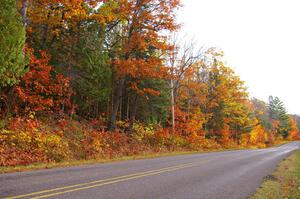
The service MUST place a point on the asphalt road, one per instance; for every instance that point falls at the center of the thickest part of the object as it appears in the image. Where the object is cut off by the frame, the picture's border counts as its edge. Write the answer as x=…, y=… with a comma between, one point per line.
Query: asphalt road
x=230, y=174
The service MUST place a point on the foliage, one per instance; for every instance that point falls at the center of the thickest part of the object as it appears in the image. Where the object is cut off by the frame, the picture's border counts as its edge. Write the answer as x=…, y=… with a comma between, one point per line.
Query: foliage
x=155, y=106
x=199, y=142
x=279, y=116
x=27, y=140
x=261, y=113
x=142, y=133
x=42, y=90
x=93, y=73
x=12, y=40
x=134, y=90
x=258, y=136
x=294, y=132
x=29, y=145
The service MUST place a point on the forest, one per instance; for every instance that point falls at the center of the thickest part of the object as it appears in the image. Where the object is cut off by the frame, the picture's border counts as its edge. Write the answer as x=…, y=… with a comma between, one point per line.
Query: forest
x=102, y=79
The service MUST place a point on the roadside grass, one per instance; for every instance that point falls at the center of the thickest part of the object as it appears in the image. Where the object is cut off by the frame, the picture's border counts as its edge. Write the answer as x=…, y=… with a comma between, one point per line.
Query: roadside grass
x=146, y=155
x=70, y=163
x=284, y=183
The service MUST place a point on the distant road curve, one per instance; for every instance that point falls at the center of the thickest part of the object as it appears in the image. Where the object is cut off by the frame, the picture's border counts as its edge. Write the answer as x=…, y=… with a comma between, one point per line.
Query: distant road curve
x=229, y=174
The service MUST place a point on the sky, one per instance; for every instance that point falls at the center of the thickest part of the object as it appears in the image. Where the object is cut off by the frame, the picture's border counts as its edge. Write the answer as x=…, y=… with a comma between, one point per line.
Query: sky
x=260, y=38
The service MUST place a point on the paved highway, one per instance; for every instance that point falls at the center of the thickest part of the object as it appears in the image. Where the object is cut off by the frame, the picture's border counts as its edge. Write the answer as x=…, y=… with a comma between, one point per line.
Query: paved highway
x=229, y=174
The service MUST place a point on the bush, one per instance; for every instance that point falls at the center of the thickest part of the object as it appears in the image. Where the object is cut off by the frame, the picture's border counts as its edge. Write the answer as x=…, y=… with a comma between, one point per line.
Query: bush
x=142, y=133
x=199, y=142
x=40, y=89
x=29, y=145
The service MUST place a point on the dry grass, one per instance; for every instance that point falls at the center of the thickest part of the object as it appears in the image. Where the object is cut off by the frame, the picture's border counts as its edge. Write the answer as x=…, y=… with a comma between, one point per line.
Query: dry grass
x=284, y=183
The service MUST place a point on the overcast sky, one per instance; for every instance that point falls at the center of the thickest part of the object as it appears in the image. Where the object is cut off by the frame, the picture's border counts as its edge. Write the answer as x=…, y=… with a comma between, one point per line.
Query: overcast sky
x=260, y=38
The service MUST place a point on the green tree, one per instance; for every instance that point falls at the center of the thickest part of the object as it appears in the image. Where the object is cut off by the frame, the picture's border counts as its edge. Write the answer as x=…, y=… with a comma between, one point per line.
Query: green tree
x=260, y=111
x=92, y=70
x=155, y=107
x=12, y=40
x=278, y=115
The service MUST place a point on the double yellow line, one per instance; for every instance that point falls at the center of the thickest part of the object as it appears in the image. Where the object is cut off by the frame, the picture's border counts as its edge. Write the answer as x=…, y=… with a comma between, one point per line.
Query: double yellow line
x=99, y=183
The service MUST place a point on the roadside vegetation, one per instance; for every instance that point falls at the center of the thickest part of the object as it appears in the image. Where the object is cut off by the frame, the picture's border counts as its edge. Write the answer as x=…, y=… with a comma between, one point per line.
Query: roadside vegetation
x=284, y=182
x=85, y=80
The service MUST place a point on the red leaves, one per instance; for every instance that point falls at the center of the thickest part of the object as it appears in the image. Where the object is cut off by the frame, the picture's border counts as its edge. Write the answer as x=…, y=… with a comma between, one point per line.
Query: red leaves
x=40, y=88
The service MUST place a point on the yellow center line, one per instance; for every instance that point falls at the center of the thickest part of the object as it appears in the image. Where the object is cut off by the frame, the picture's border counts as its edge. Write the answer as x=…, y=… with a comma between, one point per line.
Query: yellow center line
x=110, y=182
x=97, y=181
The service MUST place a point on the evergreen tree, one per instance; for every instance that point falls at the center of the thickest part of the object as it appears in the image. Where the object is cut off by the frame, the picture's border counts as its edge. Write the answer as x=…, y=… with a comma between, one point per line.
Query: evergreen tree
x=279, y=117
x=12, y=40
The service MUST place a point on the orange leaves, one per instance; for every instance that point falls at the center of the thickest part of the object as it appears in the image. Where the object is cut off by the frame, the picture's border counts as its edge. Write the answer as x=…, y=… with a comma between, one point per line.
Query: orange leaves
x=143, y=91
x=151, y=91
x=55, y=17
x=188, y=123
x=141, y=68
x=142, y=37
x=40, y=89
x=294, y=132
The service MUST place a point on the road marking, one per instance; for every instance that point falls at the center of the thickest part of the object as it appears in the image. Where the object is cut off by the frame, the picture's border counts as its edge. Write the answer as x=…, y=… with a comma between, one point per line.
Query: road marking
x=113, y=179
x=110, y=182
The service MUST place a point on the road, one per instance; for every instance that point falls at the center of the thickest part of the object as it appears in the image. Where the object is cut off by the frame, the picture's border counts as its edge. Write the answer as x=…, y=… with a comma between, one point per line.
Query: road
x=228, y=174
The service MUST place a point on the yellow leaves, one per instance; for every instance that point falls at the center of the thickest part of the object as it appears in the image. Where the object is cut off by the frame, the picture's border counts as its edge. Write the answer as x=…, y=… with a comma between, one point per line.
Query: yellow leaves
x=258, y=136
x=31, y=115
x=4, y=134
x=142, y=133
x=47, y=144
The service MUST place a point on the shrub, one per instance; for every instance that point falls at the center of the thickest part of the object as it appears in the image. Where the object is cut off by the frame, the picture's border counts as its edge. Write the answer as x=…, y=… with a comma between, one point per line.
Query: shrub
x=25, y=146
x=40, y=88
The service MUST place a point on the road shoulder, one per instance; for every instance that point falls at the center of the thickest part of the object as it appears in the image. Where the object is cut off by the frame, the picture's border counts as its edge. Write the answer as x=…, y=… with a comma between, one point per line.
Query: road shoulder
x=284, y=182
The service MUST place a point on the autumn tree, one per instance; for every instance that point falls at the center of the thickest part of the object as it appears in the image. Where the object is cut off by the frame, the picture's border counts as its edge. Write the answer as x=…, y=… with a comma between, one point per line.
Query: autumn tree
x=261, y=113
x=142, y=43
x=294, y=131
x=40, y=89
x=75, y=33
x=297, y=119
x=211, y=100
x=181, y=59
x=51, y=20
x=226, y=102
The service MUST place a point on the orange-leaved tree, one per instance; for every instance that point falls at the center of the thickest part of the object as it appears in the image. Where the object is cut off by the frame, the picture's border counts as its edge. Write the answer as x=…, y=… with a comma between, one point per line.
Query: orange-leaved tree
x=294, y=132
x=40, y=89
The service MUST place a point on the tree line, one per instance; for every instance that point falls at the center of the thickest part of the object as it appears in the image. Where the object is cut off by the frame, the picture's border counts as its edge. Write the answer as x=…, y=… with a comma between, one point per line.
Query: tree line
x=118, y=62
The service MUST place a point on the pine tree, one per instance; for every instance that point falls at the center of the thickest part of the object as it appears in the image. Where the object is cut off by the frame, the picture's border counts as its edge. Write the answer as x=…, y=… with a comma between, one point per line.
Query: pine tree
x=278, y=114
x=12, y=40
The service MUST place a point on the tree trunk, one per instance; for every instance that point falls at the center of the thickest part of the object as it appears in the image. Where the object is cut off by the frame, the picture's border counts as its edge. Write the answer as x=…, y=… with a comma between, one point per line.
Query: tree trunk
x=133, y=114
x=116, y=103
x=173, y=106
x=24, y=12
x=128, y=104
x=121, y=107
